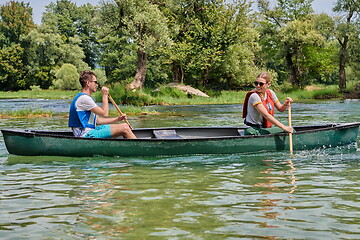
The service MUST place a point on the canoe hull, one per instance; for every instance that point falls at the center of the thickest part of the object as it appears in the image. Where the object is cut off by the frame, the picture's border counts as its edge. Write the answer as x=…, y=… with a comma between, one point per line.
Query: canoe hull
x=45, y=143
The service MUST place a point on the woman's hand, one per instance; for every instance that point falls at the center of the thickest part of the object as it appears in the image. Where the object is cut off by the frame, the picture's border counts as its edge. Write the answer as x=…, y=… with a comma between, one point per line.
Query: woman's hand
x=288, y=101
x=288, y=129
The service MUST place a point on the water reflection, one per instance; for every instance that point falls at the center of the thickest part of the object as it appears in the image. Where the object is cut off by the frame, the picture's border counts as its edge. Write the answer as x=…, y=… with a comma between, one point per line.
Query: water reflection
x=311, y=195
x=199, y=197
x=276, y=181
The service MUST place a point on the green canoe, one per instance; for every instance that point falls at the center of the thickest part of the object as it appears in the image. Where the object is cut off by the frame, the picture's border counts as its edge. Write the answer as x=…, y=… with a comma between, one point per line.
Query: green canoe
x=178, y=141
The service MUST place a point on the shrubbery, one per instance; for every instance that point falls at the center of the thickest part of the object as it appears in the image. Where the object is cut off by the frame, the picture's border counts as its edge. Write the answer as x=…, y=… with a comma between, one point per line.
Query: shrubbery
x=67, y=78
x=122, y=96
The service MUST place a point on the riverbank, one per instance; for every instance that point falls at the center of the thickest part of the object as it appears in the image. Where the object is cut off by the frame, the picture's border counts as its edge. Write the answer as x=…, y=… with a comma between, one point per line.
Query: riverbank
x=167, y=97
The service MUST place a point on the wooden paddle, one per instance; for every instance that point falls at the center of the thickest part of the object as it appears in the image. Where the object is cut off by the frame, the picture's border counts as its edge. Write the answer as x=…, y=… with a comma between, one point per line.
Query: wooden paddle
x=290, y=134
x=118, y=109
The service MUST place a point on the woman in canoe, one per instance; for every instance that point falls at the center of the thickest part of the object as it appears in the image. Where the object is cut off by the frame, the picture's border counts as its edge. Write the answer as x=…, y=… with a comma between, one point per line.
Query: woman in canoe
x=259, y=106
x=83, y=116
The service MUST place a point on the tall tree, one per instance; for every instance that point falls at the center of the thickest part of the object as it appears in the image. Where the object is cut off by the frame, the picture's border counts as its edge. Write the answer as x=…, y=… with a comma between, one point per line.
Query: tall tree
x=47, y=52
x=289, y=29
x=324, y=61
x=69, y=20
x=12, y=69
x=347, y=33
x=214, y=44
x=15, y=21
x=139, y=22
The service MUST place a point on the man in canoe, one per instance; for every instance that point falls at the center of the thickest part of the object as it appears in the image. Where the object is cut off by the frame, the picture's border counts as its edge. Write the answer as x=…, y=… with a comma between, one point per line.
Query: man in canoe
x=83, y=116
x=259, y=106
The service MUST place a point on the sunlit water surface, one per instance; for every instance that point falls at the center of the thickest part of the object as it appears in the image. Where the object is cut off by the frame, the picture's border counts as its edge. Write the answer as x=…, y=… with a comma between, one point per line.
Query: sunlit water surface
x=311, y=195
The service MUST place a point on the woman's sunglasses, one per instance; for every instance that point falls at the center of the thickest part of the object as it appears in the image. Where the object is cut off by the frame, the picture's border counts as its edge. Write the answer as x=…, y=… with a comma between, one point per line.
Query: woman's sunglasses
x=259, y=83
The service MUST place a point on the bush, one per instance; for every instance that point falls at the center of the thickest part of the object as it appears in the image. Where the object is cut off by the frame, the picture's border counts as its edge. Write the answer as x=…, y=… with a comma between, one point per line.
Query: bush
x=122, y=96
x=100, y=76
x=67, y=78
x=326, y=94
x=168, y=92
x=35, y=88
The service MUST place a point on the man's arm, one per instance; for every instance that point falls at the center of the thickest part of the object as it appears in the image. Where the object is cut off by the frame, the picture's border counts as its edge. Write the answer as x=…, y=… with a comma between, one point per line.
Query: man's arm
x=104, y=109
x=101, y=121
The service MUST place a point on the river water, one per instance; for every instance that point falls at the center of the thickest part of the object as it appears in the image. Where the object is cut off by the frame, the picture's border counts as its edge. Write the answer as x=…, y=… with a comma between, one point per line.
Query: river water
x=310, y=195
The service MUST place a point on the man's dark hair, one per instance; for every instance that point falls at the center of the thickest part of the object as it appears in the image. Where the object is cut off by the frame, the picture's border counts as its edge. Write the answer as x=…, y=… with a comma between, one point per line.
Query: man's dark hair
x=86, y=76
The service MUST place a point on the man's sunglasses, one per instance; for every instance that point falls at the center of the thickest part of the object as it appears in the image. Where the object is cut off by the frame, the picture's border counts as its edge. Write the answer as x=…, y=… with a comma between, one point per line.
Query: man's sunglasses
x=259, y=83
x=96, y=82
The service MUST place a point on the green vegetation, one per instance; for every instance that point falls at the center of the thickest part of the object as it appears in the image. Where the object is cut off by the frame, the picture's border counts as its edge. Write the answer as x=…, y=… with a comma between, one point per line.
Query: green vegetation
x=173, y=96
x=134, y=111
x=213, y=45
x=38, y=94
x=33, y=113
x=165, y=96
x=26, y=113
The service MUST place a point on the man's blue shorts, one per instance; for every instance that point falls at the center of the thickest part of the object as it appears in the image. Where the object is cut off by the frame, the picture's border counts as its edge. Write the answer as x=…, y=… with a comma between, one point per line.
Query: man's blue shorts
x=101, y=131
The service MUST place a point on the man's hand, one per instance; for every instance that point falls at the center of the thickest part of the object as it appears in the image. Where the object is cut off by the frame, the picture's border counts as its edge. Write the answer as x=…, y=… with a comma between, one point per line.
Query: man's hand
x=105, y=91
x=122, y=117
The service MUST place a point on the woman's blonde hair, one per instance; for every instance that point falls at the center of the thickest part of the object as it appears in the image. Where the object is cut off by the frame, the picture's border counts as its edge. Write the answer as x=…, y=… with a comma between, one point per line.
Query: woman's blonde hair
x=264, y=75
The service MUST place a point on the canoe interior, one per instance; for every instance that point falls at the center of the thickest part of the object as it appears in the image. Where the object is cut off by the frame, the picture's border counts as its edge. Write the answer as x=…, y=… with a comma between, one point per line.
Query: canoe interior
x=186, y=132
x=177, y=141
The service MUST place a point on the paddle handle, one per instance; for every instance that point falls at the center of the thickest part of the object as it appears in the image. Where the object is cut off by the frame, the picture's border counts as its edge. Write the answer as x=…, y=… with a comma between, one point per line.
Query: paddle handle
x=290, y=134
x=118, y=109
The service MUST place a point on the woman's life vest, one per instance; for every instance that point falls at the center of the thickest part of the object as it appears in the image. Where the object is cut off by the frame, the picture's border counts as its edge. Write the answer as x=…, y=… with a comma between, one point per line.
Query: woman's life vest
x=268, y=104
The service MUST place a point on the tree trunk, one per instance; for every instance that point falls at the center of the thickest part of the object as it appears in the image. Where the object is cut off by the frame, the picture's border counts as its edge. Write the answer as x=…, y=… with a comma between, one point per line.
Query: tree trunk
x=342, y=63
x=178, y=73
x=140, y=74
x=343, y=54
x=293, y=70
x=206, y=77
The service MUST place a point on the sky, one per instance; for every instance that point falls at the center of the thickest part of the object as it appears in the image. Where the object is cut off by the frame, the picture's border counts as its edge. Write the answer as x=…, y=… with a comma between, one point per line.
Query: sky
x=38, y=6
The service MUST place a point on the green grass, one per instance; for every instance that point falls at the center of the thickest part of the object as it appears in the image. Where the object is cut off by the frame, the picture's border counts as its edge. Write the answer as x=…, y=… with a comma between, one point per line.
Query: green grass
x=133, y=111
x=319, y=92
x=32, y=113
x=26, y=113
x=35, y=94
x=169, y=96
x=166, y=96
x=225, y=97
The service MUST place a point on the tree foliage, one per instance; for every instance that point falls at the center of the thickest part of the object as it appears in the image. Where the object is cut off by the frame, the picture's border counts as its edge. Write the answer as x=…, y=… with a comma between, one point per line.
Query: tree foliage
x=289, y=32
x=67, y=78
x=209, y=44
x=68, y=20
x=16, y=20
x=347, y=34
x=47, y=52
x=140, y=23
x=211, y=41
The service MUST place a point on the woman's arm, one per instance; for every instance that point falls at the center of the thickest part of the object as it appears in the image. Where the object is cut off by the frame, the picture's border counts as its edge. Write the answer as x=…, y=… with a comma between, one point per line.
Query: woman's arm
x=283, y=107
x=262, y=110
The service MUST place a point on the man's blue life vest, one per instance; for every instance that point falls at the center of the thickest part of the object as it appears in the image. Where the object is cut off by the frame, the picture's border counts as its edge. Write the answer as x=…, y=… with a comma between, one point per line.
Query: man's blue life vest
x=80, y=119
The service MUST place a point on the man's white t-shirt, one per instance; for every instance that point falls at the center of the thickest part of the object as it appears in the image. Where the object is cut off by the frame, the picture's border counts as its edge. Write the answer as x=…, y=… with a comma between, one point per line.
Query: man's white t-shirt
x=85, y=103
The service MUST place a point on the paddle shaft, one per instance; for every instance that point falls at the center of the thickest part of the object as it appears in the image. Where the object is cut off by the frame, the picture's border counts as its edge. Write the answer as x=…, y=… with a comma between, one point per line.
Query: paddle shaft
x=290, y=134
x=118, y=109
